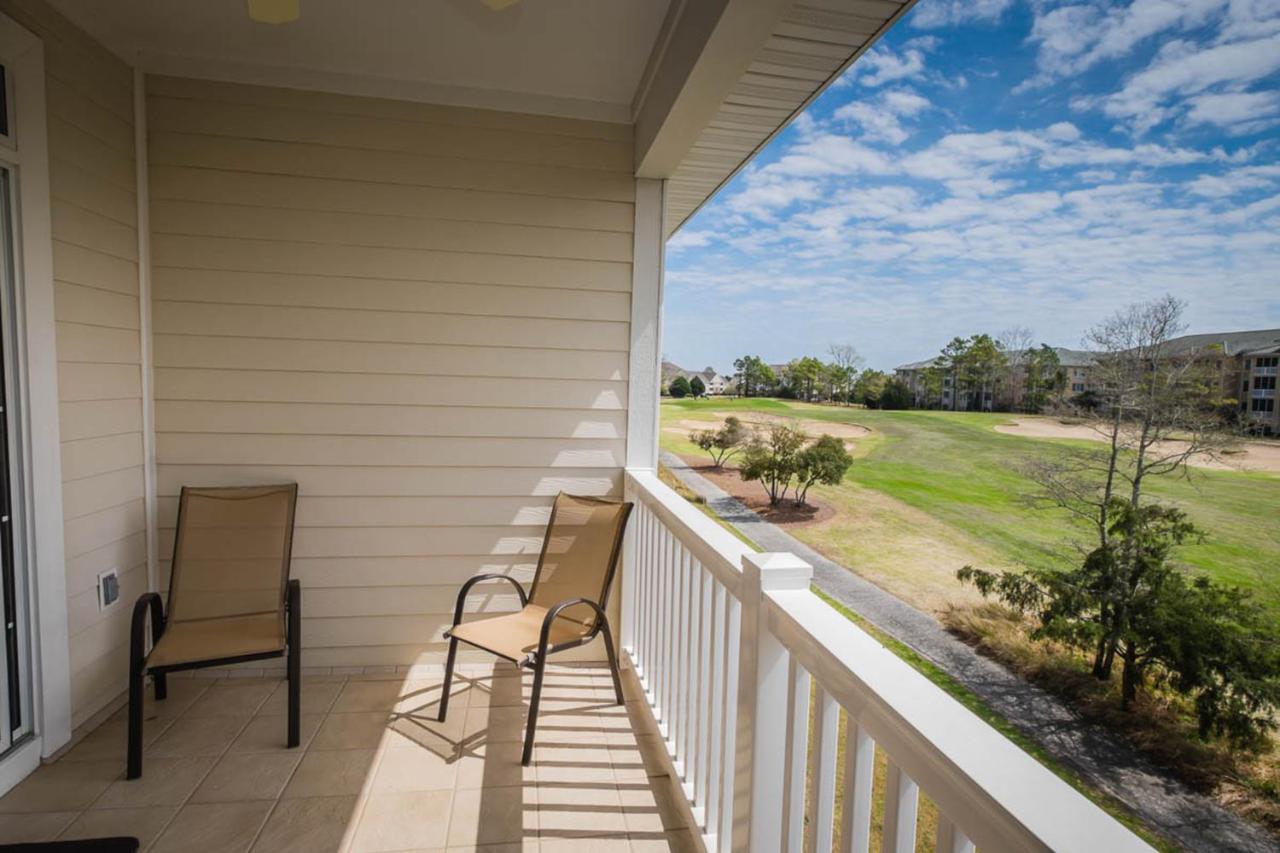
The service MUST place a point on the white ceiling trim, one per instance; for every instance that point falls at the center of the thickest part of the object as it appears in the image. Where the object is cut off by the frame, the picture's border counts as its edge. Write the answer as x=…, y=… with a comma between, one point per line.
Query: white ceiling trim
x=346, y=83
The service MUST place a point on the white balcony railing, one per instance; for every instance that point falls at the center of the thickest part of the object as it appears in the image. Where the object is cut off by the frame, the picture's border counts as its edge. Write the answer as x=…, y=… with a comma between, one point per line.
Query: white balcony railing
x=748, y=675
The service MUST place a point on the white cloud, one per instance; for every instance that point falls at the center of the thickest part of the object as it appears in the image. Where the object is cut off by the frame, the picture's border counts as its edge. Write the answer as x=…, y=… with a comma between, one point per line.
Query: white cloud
x=881, y=118
x=1235, y=181
x=1236, y=112
x=1076, y=37
x=828, y=154
x=883, y=65
x=929, y=14
x=767, y=193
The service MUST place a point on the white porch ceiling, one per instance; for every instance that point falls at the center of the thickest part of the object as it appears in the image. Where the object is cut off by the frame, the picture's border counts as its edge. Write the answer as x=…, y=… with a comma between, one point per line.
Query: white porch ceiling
x=707, y=83
x=579, y=58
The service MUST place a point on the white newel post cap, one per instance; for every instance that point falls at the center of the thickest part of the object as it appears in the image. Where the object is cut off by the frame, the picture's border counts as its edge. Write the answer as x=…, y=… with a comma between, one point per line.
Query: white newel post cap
x=778, y=572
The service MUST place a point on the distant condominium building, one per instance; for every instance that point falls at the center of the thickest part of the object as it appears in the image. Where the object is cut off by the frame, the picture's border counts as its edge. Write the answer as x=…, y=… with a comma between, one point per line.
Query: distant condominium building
x=714, y=382
x=1246, y=362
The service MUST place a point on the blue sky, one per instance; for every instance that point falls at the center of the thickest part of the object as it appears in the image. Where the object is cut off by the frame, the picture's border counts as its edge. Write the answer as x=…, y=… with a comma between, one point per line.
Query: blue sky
x=1001, y=163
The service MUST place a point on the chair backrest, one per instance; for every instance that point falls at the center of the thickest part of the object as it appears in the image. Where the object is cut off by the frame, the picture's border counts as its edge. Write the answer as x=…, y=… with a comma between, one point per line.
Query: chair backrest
x=231, y=551
x=579, y=554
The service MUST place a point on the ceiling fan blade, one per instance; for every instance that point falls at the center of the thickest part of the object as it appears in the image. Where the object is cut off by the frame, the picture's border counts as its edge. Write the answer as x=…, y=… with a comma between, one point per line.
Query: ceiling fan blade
x=274, y=11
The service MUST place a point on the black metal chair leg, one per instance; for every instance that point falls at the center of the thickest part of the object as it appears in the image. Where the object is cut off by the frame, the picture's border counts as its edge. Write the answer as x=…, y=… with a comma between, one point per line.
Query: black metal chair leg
x=613, y=659
x=448, y=679
x=162, y=685
x=294, y=664
x=533, y=707
x=134, y=759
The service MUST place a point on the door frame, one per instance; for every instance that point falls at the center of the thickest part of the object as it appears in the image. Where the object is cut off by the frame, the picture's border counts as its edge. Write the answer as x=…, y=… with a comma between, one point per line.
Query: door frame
x=37, y=417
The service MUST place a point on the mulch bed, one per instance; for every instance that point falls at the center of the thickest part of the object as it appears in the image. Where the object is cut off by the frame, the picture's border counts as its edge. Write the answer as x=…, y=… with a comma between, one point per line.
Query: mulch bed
x=753, y=496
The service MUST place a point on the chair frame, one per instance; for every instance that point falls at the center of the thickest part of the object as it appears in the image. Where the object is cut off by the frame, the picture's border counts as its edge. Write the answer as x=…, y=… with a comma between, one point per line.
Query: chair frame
x=538, y=659
x=150, y=602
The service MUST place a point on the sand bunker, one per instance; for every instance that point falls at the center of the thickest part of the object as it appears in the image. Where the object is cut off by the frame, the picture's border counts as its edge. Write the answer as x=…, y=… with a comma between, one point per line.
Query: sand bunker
x=848, y=432
x=1247, y=456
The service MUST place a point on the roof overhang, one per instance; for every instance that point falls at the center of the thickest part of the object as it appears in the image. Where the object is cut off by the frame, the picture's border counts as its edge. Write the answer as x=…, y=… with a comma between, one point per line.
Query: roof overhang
x=706, y=83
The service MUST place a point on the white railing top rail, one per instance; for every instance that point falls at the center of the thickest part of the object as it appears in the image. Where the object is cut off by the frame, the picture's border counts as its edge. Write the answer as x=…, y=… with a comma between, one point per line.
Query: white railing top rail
x=718, y=550
x=1002, y=798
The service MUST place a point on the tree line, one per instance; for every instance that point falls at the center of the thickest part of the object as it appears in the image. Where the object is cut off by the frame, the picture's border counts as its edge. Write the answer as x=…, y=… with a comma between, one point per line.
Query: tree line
x=839, y=379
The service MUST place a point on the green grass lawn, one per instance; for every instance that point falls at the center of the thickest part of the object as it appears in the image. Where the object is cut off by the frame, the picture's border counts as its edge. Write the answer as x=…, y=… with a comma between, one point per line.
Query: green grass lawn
x=963, y=476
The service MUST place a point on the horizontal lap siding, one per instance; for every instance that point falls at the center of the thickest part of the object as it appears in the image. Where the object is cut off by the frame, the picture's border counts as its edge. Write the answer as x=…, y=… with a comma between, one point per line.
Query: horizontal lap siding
x=94, y=211
x=418, y=313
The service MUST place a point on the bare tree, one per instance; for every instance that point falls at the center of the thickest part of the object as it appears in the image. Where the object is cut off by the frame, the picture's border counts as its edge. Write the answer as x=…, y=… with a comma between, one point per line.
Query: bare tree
x=847, y=362
x=1157, y=414
x=1016, y=342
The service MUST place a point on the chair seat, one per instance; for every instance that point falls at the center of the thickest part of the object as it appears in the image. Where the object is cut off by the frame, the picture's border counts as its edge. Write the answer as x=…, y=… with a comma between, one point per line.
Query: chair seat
x=514, y=635
x=199, y=640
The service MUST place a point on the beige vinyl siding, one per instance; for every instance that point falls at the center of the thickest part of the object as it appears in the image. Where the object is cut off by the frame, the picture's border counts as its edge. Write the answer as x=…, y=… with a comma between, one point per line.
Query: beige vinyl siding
x=95, y=242
x=419, y=313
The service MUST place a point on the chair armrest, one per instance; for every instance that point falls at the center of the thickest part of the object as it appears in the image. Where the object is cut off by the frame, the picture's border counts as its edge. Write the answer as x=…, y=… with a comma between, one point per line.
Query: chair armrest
x=550, y=618
x=147, y=601
x=492, y=576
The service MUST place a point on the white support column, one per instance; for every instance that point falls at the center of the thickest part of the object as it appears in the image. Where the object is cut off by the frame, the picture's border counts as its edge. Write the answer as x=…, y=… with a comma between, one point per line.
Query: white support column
x=763, y=694
x=645, y=363
x=144, y=325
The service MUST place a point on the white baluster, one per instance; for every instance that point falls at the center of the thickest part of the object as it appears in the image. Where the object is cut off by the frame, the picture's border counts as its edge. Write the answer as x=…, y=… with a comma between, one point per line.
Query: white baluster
x=901, y=800
x=859, y=776
x=950, y=839
x=797, y=752
x=822, y=770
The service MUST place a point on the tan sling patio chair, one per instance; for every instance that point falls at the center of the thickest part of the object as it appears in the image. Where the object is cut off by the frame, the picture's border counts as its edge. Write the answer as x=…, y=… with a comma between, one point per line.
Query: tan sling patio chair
x=230, y=596
x=565, y=605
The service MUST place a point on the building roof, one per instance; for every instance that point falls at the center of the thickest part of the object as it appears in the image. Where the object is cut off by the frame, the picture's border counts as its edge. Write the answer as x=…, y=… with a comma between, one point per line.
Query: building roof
x=1232, y=343
x=1066, y=357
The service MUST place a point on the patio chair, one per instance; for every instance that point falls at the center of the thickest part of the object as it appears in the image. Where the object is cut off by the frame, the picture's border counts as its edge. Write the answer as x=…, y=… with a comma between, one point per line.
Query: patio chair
x=565, y=605
x=230, y=596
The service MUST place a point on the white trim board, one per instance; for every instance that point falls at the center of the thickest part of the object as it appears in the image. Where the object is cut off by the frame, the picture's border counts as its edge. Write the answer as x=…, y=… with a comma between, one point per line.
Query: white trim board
x=144, y=324
x=38, y=380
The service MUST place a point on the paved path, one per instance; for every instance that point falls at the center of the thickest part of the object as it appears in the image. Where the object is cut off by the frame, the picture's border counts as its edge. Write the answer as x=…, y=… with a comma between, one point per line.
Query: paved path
x=1103, y=759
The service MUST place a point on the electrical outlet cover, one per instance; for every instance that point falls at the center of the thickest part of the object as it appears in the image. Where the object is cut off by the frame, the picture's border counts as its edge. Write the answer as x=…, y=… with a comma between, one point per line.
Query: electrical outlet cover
x=108, y=588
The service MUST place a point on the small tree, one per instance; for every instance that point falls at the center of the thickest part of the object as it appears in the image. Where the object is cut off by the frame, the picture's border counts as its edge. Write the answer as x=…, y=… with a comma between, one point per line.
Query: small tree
x=770, y=457
x=896, y=395
x=679, y=387
x=824, y=461
x=869, y=387
x=723, y=442
x=697, y=387
x=1209, y=642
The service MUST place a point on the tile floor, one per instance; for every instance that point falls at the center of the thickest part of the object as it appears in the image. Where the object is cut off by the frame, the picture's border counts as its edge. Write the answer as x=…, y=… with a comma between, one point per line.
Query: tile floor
x=375, y=771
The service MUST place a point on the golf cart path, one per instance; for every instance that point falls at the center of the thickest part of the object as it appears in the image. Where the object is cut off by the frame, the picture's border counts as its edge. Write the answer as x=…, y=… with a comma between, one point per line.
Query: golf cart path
x=1103, y=759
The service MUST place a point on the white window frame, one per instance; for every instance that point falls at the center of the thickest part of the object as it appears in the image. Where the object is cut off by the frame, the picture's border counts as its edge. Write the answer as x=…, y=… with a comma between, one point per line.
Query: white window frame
x=37, y=392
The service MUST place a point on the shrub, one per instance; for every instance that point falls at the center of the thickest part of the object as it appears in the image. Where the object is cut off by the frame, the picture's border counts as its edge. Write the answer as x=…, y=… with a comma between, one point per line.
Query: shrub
x=771, y=457
x=824, y=461
x=679, y=387
x=723, y=442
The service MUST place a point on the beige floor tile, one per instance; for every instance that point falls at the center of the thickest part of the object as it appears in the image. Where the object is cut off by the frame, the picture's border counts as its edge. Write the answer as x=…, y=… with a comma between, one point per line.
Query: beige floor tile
x=232, y=698
x=492, y=765
x=528, y=845
x=62, y=787
x=247, y=776
x=31, y=828
x=414, y=770
x=400, y=821
x=584, y=844
x=572, y=810
x=316, y=697
x=331, y=773
x=422, y=697
x=190, y=736
x=496, y=724
x=368, y=696
x=588, y=764
x=676, y=841
x=650, y=809
x=143, y=824
x=110, y=740
x=270, y=733
x=363, y=730
x=492, y=816
x=312, y=825
x=183, y=693
x=164, y=782
x=213, y=828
